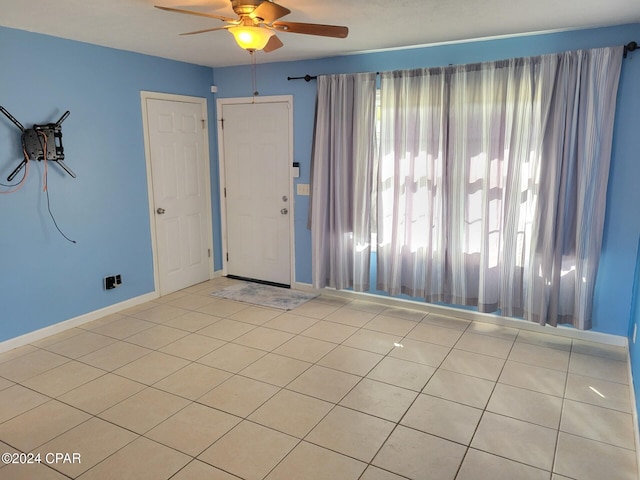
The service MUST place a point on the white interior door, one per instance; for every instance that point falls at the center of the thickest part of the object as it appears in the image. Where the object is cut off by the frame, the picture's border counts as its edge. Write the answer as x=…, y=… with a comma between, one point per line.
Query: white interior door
x=178, y=157
x=257, y=160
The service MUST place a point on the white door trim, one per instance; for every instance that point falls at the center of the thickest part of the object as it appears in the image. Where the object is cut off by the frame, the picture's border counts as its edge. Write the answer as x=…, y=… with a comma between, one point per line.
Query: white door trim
x=144, y=96
x=288, y=99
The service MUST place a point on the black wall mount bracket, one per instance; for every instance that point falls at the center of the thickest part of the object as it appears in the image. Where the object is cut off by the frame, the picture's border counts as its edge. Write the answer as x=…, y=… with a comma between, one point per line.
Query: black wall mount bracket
x=40, y=141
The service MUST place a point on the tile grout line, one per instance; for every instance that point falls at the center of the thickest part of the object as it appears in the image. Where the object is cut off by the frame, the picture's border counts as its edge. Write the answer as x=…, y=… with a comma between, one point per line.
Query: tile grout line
x=484, y=410
x=334, y=405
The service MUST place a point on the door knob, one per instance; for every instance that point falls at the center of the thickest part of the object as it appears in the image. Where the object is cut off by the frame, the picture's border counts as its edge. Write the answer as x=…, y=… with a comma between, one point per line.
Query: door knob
x=160, y=211
x=285, y=198
x=284, y=211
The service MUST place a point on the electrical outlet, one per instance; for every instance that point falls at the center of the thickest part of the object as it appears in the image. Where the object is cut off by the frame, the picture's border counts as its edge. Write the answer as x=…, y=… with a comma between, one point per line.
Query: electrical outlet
x=112, y=281
x=303, y=189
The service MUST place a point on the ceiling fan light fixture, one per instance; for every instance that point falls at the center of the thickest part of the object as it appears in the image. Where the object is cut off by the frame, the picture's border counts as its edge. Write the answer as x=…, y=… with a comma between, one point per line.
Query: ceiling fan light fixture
x=250, y=37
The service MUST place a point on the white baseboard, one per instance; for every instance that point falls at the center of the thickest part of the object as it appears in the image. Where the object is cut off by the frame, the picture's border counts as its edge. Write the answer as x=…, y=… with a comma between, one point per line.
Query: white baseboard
x=74, y=322
x=587, y=335
x=608, y=339
x=305, y=287
x=82, y=319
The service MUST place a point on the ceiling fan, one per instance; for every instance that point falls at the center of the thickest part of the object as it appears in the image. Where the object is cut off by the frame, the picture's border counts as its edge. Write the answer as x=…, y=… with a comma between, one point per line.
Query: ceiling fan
x=257, y=22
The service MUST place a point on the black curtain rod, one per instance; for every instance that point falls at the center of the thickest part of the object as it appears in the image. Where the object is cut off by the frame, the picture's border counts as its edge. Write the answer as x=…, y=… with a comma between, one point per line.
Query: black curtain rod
x=308, y=78
x=629, y=47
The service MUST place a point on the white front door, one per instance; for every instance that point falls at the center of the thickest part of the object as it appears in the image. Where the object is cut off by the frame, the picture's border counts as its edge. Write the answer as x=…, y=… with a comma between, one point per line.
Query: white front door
x=256, y=162
x=178, y=160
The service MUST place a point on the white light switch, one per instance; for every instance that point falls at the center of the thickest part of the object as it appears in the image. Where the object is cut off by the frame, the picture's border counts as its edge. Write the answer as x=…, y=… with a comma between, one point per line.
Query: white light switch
x=303, y=189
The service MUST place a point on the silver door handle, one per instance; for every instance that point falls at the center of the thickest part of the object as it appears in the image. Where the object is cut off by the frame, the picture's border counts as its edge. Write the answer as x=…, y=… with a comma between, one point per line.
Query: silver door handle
x=160, y=211
x=284, y=211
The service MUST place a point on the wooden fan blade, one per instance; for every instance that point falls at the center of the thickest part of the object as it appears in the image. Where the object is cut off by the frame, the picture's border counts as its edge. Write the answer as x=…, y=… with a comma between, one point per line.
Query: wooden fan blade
x=199, y=14
x=273, y=44
x=269, y=11
x=206, y=30
x=312, y=29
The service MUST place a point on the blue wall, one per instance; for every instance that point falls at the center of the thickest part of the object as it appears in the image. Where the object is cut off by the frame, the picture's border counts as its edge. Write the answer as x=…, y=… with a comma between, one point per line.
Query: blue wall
x=43, y=278
x=615, y=280
x=634, y=347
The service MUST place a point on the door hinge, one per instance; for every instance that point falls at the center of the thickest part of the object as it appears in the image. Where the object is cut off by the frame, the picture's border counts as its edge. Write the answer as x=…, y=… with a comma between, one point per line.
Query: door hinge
x=225, y=192
x=209, y=252
x=227, y=256
x=222, y=123
x=204, y=124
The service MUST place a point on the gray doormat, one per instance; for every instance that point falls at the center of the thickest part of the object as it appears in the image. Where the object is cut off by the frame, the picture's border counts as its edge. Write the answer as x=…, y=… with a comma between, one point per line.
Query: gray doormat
x=265, y=295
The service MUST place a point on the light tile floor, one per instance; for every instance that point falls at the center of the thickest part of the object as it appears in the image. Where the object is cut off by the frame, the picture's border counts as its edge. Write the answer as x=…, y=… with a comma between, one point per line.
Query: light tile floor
x=192, y=387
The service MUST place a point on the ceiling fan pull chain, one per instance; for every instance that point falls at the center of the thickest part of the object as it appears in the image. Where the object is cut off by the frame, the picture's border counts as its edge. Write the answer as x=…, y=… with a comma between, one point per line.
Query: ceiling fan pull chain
x=253, y=76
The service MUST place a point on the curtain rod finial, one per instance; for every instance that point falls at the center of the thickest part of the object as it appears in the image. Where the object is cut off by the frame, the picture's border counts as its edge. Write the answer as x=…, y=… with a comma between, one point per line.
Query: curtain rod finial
x=629, y=47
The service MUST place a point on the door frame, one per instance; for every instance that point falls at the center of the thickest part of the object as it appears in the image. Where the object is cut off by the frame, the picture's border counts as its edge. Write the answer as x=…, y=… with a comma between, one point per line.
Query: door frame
x=220, y=103
x=144, y=96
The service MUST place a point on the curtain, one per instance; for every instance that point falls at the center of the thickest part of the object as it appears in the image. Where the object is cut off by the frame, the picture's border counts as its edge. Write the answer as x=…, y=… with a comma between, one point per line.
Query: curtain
x=451, y=144
x=492, y=182
x=342, y=181
x=494, y=145
x=574, y=172
x=411, y=196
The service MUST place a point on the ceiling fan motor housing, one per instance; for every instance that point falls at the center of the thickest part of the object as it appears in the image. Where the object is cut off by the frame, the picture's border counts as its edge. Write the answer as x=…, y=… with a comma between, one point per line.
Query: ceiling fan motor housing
x=245, y=7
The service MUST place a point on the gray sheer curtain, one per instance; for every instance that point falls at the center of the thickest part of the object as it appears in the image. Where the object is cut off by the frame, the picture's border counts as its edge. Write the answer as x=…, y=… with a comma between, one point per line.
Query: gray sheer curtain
x=492, y=183
x=411, y=190
x=574, y=172
x=457, y=147
x=342, y=181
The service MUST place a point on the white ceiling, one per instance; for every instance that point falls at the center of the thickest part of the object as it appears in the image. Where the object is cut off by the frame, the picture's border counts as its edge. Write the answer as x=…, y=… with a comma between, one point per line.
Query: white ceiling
x=374, y=24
